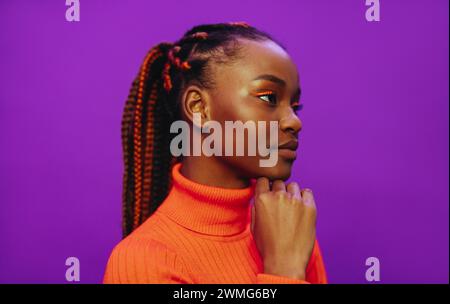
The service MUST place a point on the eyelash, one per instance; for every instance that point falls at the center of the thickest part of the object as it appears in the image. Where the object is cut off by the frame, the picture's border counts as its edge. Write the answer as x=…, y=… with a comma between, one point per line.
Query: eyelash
x=266, y=93
x=295, y=106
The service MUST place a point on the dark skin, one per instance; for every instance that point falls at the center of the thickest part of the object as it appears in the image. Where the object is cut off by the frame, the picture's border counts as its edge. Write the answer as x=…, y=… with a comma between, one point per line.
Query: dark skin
x=261, y=85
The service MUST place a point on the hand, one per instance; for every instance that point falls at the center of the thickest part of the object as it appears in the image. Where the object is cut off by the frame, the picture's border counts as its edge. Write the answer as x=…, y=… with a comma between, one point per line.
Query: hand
x=284, y=227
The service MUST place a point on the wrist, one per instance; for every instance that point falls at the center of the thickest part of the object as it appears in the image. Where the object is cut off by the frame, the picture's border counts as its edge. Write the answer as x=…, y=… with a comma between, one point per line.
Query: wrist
x=285, y=270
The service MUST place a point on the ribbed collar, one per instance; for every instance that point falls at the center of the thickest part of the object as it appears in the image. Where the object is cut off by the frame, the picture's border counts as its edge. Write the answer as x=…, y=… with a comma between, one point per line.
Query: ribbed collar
x=207, y=209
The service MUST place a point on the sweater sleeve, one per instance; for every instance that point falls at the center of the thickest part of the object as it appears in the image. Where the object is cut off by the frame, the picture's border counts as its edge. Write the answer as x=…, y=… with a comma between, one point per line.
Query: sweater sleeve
x=315, y=272
x=144, y=261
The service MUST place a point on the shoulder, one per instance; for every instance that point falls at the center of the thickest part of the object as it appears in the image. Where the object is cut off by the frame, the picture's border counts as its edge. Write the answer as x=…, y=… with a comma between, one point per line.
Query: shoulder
x=139, y=259
x=139, y=245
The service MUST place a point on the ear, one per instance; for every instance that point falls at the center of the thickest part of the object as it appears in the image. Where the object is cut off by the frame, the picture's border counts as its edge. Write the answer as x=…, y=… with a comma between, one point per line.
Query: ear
x=195, y=100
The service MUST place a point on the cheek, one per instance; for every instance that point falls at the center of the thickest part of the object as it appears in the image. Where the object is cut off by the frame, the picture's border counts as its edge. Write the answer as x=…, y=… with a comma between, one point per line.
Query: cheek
x=229, y=107
x=224, y=106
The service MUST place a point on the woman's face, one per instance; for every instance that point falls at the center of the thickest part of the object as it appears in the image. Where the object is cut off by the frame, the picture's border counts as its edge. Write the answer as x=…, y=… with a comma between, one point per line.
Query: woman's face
x=262, y=85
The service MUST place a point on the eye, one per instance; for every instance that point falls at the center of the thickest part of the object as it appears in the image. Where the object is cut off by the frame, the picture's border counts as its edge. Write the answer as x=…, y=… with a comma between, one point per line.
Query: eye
x=297, y=106
x=268, y=96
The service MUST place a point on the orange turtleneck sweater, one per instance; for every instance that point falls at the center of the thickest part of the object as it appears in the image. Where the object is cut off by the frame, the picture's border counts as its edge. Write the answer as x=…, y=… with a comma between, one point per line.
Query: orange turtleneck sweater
x=199, y=234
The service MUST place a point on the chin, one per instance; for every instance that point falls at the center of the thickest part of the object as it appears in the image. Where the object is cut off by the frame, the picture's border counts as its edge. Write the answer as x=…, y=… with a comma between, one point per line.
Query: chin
x=282, y=170
x=251, y=168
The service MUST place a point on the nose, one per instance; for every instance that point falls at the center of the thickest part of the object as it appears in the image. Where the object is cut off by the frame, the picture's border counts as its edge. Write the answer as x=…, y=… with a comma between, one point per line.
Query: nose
x=291, y=123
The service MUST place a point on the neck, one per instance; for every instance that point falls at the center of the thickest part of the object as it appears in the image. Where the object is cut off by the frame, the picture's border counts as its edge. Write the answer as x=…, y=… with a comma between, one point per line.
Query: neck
x=207, y=209
x=212, y=172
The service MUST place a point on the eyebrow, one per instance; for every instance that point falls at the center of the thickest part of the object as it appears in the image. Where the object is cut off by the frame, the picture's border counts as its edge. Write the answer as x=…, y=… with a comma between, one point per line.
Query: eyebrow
x=272, y=78
x=278, y=80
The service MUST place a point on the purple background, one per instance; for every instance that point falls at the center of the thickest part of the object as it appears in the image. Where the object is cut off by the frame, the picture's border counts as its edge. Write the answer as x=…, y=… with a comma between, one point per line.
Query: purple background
x=374, y=147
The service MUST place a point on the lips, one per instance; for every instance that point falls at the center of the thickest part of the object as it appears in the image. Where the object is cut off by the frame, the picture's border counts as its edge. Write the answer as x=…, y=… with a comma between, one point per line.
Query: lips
x=291, y=145
x=288, y=149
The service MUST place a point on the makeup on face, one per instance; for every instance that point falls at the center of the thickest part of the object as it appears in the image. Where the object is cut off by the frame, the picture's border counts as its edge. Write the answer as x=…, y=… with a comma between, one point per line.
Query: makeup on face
x=270, y=89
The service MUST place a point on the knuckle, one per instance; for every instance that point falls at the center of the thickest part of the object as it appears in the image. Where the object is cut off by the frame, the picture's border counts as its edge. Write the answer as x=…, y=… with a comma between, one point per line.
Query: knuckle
x=297, y=200
x=279, y=194
x=263, y=197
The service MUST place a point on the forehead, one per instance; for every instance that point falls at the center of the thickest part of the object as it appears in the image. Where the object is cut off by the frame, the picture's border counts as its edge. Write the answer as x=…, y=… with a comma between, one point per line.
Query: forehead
x=262, y=57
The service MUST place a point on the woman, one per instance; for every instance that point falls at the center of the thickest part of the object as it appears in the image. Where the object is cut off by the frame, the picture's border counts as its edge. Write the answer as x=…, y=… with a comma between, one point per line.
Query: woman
x=191, y=219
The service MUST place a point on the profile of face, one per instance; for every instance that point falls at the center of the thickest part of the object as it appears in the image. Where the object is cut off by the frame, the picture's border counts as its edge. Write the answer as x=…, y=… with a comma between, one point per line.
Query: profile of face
x=261, y=85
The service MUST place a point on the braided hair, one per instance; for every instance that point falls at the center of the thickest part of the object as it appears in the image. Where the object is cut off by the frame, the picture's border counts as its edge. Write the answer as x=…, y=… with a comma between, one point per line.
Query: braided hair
x=153, y=104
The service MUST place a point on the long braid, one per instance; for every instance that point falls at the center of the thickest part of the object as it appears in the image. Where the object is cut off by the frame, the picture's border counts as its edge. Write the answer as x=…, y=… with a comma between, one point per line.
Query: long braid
x=152, y=106
x=149, y=151
x=127, y=194
x=137, y=136
x=132, y=146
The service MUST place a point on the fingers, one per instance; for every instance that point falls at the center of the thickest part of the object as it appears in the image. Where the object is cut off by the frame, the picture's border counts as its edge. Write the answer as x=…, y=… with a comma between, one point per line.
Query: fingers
x=308, y=197
x=262, y=185
x=294, y=190
x=278, y=185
